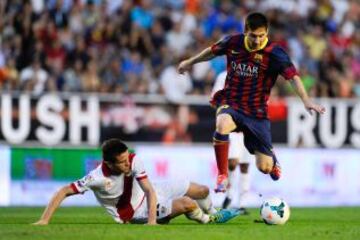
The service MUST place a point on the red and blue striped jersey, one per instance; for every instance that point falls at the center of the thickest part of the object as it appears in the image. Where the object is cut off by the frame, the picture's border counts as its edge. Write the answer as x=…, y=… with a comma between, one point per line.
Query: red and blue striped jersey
x=250, y=74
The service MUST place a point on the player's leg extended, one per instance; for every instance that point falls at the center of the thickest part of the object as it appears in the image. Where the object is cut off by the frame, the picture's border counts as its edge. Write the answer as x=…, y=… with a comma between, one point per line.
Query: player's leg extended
x=233, y=162
x=224, y=125
x=268, y=165
x=186, y=205
x=200, y=193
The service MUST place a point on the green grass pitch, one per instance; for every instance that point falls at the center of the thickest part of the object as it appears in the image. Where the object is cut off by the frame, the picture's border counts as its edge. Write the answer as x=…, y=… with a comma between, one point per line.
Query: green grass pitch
x=93, y=223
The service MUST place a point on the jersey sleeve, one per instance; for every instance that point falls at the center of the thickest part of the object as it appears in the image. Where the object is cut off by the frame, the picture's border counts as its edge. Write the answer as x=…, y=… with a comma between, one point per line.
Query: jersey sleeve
x=86, y=183
x=220, y=47
x=285, y=67
x=138, y=169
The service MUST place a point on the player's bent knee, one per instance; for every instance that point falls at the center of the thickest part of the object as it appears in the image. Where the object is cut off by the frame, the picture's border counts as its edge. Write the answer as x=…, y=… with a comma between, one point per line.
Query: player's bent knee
x=231, y=167
x=222, y=128
x=188, y=204
x=203, y=191
x=232, y=164
x=224, y=124
x=264, y=162
x=244, y=168
x=264, y=167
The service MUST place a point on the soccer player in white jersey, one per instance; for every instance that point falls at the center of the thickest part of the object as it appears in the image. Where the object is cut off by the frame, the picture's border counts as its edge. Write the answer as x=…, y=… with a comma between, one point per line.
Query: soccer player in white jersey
x=121, y=186
x=238, y=155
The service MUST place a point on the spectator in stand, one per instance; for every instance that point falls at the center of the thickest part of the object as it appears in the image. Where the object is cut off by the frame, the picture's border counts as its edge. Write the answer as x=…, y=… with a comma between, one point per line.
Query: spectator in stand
x=58, y=16
x=9, y=76
x=33, y=78
x=175, y=86
x=114, y=78
x=90, y=80
x=141, y=15
x=72, y=77
x=178, y=40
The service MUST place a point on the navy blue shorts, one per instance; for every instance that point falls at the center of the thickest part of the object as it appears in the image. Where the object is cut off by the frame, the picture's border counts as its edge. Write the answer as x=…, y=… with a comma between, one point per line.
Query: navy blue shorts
x=257, y=133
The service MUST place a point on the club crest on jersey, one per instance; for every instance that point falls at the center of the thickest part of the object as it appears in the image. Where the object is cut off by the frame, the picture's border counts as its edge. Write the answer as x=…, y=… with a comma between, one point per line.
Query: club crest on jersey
x=244, y=70
x=108, y=184
x=258, y=57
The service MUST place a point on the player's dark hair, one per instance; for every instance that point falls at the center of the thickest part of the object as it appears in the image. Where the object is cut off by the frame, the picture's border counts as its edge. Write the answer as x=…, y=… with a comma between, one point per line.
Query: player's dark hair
x=112, y=148
x=256, y=20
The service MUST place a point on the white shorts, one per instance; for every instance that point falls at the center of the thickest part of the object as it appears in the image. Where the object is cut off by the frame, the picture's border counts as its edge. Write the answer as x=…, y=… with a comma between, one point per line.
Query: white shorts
x=237, y=148
x=166, y=192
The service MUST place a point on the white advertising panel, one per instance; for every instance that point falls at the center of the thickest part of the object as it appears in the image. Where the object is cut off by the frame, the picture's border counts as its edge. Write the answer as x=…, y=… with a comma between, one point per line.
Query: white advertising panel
x=311, y=177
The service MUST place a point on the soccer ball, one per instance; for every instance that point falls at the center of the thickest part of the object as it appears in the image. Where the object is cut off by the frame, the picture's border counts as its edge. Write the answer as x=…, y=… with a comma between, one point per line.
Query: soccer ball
x=275, y=211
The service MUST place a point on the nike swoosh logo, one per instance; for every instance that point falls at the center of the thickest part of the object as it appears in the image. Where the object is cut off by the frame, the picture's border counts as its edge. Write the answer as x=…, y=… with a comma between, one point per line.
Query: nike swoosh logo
x=235, y=52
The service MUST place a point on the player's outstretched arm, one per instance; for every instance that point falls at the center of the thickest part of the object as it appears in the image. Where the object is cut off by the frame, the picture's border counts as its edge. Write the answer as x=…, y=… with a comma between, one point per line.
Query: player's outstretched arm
x=54, y=203
x=205, y=55
x=151, y=200
x=298, y=86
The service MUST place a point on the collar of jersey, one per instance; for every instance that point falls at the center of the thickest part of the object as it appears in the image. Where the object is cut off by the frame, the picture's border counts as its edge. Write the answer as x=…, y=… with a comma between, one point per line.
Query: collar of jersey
x=253, y=50
x=107, y=171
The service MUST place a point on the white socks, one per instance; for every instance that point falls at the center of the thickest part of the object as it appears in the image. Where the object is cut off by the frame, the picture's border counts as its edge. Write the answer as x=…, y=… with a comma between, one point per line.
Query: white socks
x=206, y=205
x=244, y=182
x=244, y=187
x=230, y=191
x=198, y=215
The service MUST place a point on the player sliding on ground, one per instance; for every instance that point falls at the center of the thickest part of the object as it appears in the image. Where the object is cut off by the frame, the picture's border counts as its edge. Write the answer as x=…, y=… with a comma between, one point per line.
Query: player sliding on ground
x=253, y=64
x=122, y=187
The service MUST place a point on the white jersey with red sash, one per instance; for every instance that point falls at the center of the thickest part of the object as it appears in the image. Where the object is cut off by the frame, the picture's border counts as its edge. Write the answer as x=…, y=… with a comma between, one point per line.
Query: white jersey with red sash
x=121, y=195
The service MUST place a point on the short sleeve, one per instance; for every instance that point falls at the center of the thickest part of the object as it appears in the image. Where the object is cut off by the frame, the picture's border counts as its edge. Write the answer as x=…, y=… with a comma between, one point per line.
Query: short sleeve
x=82, y=185
x=220, y=47
x=138, y=169
x=285, y=67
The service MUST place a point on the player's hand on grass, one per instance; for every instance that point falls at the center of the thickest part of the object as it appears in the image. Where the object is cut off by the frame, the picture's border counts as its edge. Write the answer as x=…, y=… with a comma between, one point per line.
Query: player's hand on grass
x=41, y=222
x=184, y=66
x=310, y=107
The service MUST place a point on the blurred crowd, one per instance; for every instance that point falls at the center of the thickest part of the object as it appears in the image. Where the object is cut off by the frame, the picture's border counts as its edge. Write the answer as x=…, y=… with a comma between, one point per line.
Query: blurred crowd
x=124, y=46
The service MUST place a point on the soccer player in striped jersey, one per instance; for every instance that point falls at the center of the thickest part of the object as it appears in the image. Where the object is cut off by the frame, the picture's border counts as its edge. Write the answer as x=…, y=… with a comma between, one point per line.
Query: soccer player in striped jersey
x=253, y=65
x=121, y=186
